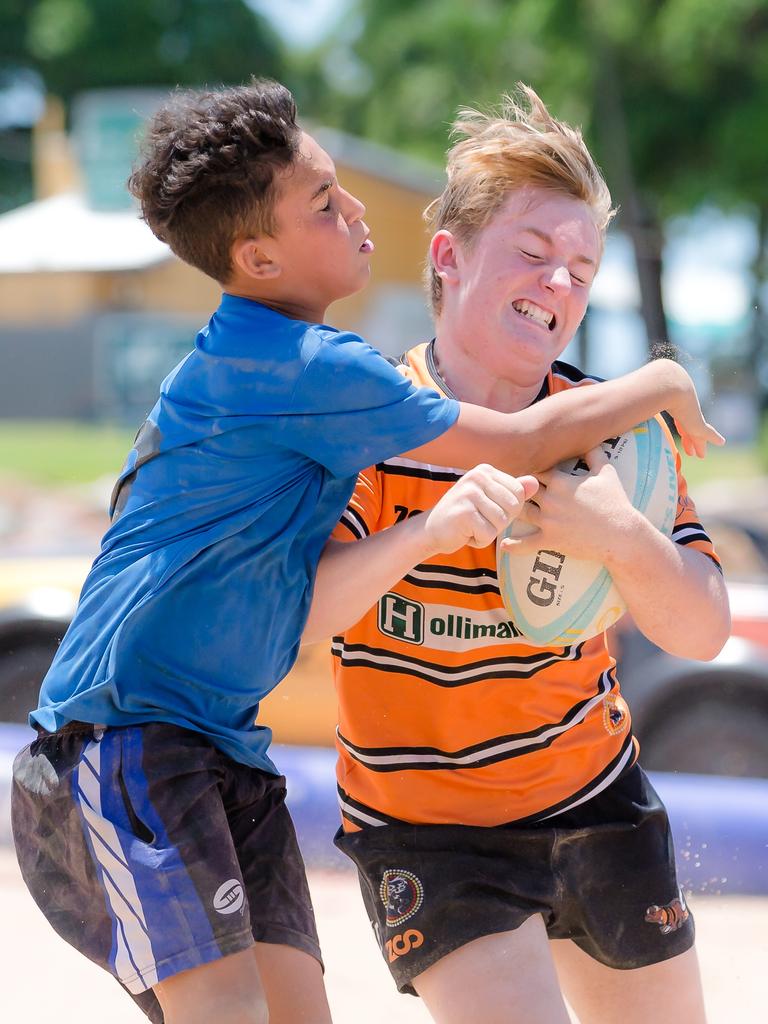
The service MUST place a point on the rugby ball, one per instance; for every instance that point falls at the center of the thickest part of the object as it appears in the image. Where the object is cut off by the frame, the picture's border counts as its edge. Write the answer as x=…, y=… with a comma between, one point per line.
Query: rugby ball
x=556, y=599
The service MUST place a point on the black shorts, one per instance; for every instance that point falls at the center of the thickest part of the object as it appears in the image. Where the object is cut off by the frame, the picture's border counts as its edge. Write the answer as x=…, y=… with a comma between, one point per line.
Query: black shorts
x=152, y=852
x=602, y=875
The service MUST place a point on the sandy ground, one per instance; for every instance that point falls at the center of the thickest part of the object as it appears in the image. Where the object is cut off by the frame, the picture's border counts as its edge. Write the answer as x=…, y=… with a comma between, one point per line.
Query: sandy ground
x=44, y=979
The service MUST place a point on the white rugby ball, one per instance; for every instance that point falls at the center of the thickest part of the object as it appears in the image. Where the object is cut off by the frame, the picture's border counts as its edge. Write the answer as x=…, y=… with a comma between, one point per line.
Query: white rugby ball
x=556, y=599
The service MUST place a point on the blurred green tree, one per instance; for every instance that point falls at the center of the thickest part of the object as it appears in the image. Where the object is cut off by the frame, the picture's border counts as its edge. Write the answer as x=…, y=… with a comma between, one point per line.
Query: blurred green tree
x=86, y=44
x=71, y=46
x=672, y=95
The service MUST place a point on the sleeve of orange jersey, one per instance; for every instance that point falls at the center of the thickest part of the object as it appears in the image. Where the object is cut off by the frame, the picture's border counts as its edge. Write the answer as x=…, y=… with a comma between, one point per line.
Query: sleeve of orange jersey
x=362, y=514
x=688, y=530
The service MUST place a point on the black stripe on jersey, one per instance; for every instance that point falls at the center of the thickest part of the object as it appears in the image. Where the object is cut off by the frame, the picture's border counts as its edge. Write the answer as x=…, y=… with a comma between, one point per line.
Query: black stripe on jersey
x=473, y=757
x=450, y=570
x=355, y=523
x=692, y=533
x=692, y=539
x=685, y=533
x=479, y=581
x=687, y=526
x=475, y=671
x=601, y=781
x=478, y=588
x=423, y=474
x=357, y=812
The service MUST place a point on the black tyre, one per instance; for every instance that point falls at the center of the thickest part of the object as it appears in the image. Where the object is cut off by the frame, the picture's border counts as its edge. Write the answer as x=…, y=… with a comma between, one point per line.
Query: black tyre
x=711, y=737
x=22, y=668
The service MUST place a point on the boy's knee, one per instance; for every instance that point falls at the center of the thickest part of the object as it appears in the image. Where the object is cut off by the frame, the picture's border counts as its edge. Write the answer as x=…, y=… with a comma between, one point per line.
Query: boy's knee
x=223, y=1007
x=243, y=1010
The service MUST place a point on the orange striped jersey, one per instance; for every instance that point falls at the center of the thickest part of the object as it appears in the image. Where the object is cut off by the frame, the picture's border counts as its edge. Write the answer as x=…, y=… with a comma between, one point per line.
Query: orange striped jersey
x=446, y=715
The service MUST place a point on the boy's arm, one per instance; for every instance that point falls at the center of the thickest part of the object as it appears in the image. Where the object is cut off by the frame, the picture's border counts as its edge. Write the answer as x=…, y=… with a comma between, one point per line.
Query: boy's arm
x=682, y=605
x=572, y=422
x=351, y=577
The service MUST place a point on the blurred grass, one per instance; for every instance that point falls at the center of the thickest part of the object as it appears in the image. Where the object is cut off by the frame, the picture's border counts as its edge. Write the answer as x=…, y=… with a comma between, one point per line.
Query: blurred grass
x=732, y=462
x=62, y=452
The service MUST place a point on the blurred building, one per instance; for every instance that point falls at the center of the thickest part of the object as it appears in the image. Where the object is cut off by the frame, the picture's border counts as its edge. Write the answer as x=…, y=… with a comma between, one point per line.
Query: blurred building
x=94, y=310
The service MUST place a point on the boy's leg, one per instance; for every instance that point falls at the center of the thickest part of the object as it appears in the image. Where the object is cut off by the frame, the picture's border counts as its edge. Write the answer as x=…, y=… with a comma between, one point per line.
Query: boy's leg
x=665, y=993
x=507, y=978
x=271, y=982
x=629, y=952
x=459, y=914
x=293, y=983
x=227, y=991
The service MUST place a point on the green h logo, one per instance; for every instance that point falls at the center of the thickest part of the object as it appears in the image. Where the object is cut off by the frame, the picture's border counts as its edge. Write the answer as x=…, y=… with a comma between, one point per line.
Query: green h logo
x=401, y=619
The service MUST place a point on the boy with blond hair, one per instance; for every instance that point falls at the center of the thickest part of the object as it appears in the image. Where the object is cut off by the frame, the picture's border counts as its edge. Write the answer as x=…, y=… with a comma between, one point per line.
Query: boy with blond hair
x=489, y=789
x=149, y=819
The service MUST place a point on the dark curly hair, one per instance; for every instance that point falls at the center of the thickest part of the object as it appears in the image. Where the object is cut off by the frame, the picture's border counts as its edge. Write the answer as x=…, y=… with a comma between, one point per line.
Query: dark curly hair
x=207, y=172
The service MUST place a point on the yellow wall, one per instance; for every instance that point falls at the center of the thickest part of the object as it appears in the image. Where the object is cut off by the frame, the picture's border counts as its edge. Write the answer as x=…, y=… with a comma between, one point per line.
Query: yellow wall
x=394, y=215
x=32, y=299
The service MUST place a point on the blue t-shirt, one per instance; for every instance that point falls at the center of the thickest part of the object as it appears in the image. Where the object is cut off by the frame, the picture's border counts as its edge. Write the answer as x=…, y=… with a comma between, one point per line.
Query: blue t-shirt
x=194, y=609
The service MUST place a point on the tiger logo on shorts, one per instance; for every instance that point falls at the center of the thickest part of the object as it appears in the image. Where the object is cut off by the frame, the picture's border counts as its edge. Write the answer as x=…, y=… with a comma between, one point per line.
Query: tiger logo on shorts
x=402, y=894
x=669, y=917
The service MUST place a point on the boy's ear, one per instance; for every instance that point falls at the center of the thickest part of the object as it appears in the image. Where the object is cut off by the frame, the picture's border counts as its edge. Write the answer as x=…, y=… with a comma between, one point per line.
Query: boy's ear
x=252, y=259
x=444, y=254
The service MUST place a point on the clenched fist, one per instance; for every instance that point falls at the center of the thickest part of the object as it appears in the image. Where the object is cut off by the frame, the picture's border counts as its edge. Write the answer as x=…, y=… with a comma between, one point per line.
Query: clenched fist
x=477, y=508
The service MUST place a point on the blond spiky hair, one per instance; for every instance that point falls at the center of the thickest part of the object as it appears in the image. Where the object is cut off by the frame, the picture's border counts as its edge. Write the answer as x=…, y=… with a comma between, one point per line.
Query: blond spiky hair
x=519, y=146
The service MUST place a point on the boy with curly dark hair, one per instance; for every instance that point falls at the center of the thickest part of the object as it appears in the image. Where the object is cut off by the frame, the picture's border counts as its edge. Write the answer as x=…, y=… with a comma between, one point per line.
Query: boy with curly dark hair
x=148, y=817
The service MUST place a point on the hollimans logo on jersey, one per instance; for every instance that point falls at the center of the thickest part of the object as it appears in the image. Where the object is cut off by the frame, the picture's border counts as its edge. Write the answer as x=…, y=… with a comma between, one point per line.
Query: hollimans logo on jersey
x=441, y=626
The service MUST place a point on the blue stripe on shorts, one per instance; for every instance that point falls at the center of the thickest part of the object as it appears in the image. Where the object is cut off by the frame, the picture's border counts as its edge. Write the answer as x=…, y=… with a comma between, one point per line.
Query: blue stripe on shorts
x=147, y=886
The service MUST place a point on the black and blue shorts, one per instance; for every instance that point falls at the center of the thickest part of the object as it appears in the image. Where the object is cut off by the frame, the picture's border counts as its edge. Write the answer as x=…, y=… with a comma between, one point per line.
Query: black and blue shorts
x=602, y=874
x=152, y=852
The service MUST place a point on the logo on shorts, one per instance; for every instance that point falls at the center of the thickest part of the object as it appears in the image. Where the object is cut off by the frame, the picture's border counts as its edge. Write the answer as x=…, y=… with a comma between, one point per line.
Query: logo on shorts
x=670, y=916
x=399, y=945
x=615, y=714
x=229, y=897
x=402, y=894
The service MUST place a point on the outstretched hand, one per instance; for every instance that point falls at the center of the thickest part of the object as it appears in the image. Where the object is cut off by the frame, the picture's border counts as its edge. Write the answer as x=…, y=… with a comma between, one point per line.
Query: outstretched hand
x=695, y=433
x=695, y=441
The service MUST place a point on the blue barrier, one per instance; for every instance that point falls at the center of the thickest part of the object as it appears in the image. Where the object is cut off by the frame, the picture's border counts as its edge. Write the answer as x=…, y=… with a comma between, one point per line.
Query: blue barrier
x=720, y=825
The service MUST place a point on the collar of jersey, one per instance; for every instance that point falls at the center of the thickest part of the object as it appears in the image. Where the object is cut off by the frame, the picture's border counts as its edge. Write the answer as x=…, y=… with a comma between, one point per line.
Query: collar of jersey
x=443, y=386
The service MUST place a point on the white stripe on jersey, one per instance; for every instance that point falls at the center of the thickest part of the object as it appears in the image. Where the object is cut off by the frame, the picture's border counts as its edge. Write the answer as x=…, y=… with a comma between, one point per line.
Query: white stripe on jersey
x=413, y=761
x=352, y=812
x=424, y=466
x=374, y=659
x=134, y=957
x=603, y=784
x=479, y=578
x=353, y=521
x=689, y=531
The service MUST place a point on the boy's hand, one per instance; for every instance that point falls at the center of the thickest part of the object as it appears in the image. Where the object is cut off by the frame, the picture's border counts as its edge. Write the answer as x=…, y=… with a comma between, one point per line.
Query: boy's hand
x=695, y=441
x=476, y=509
x=695, y=432
x=589, y=516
